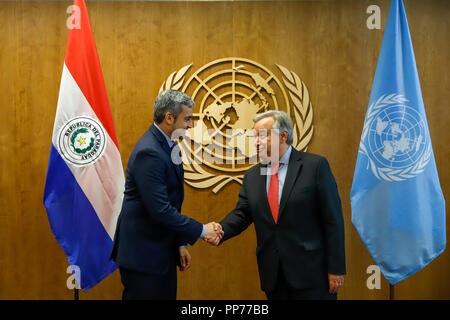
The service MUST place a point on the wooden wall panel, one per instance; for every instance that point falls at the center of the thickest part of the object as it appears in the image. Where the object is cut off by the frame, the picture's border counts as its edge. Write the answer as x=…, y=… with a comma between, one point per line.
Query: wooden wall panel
x=432, y=55
x=326, y=43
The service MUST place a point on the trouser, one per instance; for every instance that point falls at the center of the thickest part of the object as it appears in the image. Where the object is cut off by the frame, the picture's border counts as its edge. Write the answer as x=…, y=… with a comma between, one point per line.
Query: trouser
x=147, y=286
x=283, y=291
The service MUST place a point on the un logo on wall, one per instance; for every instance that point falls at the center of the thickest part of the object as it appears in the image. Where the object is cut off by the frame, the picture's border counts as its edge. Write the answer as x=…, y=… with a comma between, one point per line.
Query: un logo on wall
x=228, y=93
x=395, y=139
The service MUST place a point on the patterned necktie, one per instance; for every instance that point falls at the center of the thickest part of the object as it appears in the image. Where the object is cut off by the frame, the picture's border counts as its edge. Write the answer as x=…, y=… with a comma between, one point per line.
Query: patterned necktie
x=273, y=192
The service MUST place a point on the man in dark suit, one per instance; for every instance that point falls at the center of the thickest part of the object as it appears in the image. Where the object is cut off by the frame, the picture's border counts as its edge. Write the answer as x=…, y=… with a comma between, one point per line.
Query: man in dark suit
x=151, y=235
x=293, y=201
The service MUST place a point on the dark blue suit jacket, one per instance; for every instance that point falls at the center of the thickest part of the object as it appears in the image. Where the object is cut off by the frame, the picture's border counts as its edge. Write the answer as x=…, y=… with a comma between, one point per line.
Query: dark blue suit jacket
x=150, y=228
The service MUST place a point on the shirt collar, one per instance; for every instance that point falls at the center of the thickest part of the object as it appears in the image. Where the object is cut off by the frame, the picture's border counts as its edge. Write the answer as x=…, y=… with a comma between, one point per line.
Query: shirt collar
x=169, y=141
x=285, y=158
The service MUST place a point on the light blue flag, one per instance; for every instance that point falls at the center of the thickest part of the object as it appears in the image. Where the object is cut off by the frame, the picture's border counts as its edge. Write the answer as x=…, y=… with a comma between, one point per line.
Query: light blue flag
x=397, y=203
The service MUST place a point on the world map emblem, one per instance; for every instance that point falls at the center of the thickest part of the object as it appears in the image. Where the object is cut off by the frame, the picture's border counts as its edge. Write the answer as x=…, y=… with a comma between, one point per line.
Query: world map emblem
x=81, y=141
x=228, y=93
x=395, y=139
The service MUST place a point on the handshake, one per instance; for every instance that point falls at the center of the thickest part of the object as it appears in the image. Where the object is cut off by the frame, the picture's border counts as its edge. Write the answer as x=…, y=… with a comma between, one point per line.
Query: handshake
x=214, y=233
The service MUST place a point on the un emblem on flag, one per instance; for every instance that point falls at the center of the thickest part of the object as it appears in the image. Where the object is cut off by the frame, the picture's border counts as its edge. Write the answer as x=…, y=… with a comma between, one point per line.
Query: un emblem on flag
x=82, y=141
x=395, y=139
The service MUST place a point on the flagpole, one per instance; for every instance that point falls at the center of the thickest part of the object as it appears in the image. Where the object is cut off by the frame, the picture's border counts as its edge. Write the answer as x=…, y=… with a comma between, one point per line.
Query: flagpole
x=391, y=292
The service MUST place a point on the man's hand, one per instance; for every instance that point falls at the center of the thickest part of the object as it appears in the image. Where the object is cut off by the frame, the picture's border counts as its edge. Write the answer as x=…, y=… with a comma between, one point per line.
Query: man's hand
x=336, y=281
x=214, y=233
x=213, y=241
x=185, y=259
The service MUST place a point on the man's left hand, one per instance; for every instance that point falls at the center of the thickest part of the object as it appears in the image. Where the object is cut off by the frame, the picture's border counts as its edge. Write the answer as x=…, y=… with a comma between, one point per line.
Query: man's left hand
x=336, y=281
x=185, y=259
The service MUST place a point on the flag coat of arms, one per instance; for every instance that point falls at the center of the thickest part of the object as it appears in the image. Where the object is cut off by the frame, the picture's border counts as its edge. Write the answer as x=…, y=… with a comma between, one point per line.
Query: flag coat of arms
x=85, y=180
x=397, y=203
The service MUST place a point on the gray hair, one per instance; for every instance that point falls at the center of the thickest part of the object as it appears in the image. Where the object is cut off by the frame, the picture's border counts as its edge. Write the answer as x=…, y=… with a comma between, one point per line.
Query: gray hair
x=282, y=122
x=170, y=101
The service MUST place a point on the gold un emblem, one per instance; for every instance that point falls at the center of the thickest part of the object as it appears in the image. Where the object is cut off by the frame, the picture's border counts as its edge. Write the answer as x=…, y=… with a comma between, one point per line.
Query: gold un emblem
x=228, y=93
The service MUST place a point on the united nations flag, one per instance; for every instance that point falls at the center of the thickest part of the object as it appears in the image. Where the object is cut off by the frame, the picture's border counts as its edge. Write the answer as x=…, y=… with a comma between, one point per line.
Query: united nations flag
x=397, y=203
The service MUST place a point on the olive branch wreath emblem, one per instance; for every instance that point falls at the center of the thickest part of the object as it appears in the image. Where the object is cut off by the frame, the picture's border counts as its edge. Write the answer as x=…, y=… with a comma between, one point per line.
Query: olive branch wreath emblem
x=386, y=173
x=198, y=177
x=73, y=138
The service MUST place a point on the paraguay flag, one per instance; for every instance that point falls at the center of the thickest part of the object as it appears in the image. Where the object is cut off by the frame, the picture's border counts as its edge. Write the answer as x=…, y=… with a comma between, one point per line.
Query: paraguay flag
x=85, y=180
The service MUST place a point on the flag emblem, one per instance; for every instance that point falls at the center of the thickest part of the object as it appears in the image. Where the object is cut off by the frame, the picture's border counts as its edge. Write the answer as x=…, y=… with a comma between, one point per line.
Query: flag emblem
x=395, y=139
x=81, y=141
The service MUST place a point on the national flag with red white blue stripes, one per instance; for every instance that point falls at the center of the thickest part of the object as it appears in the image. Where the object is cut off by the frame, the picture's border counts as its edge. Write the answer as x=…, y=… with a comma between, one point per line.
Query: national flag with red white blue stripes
x=85, y=181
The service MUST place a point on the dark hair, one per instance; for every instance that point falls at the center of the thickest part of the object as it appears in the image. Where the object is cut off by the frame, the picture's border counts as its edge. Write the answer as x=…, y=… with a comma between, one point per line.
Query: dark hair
x=170, y=101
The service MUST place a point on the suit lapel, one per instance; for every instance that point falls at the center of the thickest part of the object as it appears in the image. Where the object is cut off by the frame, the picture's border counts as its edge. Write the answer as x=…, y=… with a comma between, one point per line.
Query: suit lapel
x=178, y=167
x=162, y=141
x=295, y=165
x=261, y=189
